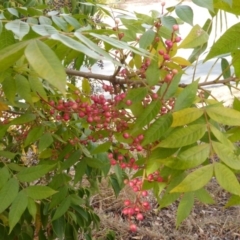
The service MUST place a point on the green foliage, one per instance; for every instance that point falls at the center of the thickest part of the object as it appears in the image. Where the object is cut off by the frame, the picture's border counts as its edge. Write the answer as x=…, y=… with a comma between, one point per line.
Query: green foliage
x=63, y=132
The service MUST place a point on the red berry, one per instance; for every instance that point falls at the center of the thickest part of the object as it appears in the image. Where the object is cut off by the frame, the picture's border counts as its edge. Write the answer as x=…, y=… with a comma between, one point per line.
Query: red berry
x=127, y=202
x=139, y=217
x=161, y=52
x=129, y=102
x=166, y=56
x=133, y=228
x=175, y=27
x=144, y=193
x=178, y=39
x=126, y=135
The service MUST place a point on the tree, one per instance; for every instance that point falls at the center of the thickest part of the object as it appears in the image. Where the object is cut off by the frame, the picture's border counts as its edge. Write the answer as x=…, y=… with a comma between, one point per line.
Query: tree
x=64, y=130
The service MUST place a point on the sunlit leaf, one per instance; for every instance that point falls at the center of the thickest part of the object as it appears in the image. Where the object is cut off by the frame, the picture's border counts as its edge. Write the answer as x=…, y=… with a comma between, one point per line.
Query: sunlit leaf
x=183, y=136
x=19, y=28
x=186, y=116
x=226, y=178
x=46, y=64
x=195, y=180
x=185, y=13
x=196, y=37
x=227, y=43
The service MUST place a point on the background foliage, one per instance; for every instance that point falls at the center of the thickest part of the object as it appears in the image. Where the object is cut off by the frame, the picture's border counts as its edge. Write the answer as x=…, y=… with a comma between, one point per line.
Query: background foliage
x=63, y=130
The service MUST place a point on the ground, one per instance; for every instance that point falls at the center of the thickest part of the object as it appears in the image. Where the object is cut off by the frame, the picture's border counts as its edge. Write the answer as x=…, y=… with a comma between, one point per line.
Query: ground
x=205, y=222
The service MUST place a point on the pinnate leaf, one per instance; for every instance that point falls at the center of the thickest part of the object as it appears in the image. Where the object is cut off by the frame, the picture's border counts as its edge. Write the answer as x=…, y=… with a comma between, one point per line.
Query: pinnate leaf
x=227, y=43
x=186, y=116
x=195, y=180
x=157, y=129
x=8, y=193
x=62, y=208
x=183, y=136
x=184, y=208
x=227, y=155
x=226, y=178
x=17, y=209
x=224, y=115
x=186, y=97
x=185, y=13
x=33, y=173
x=196, y=37
x=46, y=64
x=39, y=192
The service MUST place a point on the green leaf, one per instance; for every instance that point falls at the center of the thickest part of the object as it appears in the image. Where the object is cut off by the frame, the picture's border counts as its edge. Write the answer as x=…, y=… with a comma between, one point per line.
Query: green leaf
x=236, y=63
x=9, y=88
x=195, y=180
x=60, y=23
x=148, y=114
x=225, y=68
x=233, y=201
x=28, y=117
x=9, y=55
x=147, y=38
x=168, y=21
x=236, y=104
x=102, y=148
x=59, y=227
x=23, y=88
x=137, y=94
x=33, y=173
x=153, y=73
x=86, y=86
x=46, y=64
x=72, y=21
x=58, y=197
x=39, y=192
x=185, y=207
x=4, y=176
x=45, y=20
x=196, y=37
x=222, y=137
x=224, y=115
x=226, y=179
x=227, y=43
x=186, y=96
x=157, y=129
x=34, y=134
x=37, y=86
x=190, y=158
x=79, y=171
x=94, y=47
x=115, y=184
x=17, y=209
x=8, y=193
x=120, y=44
x=227, y=155
x=32, y=208
x=228, y=6
x=45, y=141
x=183, y=136
x=7, y=154
x=185, y=13
x=205, y=4
x=186, y=116
x=203, y=196
x=19, y=28
x=44, y=30
x=62, y=208
x=76, y=45
x=75, y=157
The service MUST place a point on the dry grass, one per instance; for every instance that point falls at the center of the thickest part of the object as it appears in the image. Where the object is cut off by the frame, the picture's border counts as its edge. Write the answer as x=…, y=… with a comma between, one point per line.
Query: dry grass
x=205, y=222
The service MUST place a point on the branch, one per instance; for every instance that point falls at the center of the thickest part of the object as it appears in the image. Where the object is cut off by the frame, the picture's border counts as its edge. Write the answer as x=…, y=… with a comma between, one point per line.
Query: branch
x=117, y=80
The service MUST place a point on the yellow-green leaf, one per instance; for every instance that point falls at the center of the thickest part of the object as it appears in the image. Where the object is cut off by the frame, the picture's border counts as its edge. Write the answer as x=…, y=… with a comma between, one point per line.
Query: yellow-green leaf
x=196, y=37
x=226, y=179
x=181, y=61
x=224, y=115
x=195, y=180
x=46, y=64
x=186, y=116
x=183, y=136
x=39, y=192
